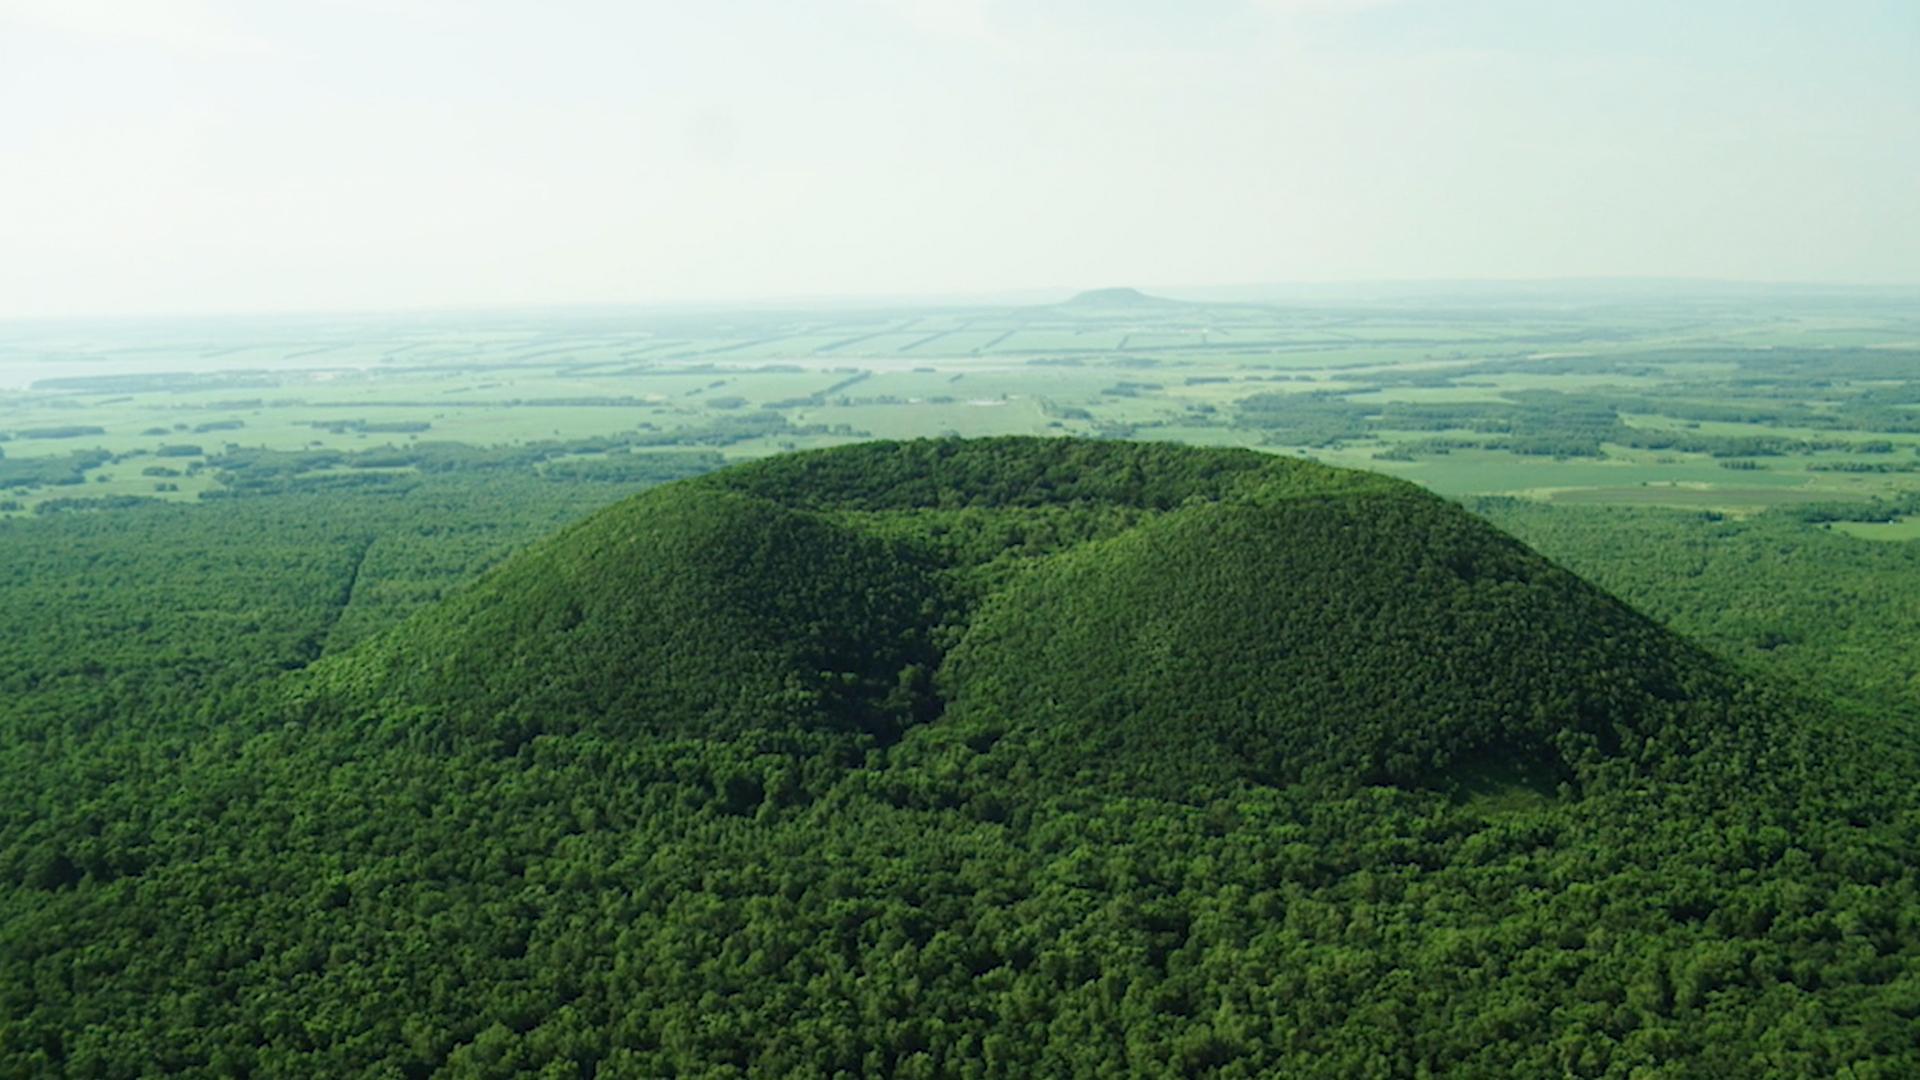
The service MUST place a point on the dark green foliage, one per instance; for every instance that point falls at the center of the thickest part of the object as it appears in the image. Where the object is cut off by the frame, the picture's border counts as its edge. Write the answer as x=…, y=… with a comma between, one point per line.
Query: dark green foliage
x=236, y=379
x=1770, y=591
x=372, y=427
x=261, y=471
x=728, y=430
x=1310, y=419
x=63, y=431
x=779, y=771
x=1377, y=637
x=1879, y=467
x=654, y=467
x=106, y=502
x=1018, y=474
x=39, y=471
x=681, y=613
x=1839, y=390
x=129, y=615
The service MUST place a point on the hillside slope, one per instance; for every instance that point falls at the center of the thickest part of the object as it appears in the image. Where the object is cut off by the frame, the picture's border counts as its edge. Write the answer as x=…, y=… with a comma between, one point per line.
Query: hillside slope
x=1158, y=617
x=681, y=612
x=1379, y=638
x=1007, y=757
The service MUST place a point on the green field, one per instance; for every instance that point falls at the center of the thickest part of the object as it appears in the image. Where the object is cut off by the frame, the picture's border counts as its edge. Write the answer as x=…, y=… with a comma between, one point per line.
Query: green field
x=1696, y=402
x=1898, y=529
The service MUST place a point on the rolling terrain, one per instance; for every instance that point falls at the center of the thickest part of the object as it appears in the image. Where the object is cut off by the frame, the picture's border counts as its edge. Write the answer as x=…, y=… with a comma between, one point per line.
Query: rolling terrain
x=981, y=757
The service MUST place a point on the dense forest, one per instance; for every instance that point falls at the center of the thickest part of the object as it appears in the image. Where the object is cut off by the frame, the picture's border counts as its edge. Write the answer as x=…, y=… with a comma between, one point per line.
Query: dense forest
x=1773, y=590
x=951, y=758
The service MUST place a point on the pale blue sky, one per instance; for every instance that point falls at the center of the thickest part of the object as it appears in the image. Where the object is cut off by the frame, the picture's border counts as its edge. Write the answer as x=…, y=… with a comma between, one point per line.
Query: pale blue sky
x=201, y=155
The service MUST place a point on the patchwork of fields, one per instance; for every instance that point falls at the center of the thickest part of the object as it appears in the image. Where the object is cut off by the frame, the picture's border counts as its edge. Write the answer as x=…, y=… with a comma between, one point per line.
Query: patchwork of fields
x=1711, y=402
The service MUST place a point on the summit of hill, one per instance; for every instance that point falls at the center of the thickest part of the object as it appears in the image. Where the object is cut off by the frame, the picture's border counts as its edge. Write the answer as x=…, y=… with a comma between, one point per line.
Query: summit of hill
x=1119, y=298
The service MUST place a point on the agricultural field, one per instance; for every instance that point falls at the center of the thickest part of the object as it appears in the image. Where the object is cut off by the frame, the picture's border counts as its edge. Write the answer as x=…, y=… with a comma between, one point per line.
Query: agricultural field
x=1729, y=401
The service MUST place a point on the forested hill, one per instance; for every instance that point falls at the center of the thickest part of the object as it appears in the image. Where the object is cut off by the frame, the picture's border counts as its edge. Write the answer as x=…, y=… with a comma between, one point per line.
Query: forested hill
x=1169, y=619
x=1118, y=298
x=1003, y=757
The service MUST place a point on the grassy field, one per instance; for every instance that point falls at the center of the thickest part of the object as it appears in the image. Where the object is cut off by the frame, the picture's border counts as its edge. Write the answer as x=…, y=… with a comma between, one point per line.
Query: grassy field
x=1702, y=402
x=1900, y=529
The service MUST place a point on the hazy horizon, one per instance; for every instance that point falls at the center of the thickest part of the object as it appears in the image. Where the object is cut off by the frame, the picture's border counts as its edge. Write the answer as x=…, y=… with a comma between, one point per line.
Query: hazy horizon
x=1307, y=295
x=201, y=157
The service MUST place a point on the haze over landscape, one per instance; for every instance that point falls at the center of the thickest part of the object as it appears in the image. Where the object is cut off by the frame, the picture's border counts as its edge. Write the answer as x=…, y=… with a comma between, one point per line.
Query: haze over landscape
x=1322, y=538
x=196, y=156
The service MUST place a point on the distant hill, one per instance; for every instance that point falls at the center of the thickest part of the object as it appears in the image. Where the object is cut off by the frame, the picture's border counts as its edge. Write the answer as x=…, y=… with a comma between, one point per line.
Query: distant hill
x=1118, y=299
x=996, y=758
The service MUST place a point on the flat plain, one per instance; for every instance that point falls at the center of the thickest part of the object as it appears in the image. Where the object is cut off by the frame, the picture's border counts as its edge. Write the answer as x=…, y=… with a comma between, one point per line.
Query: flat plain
x=1729, y=401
